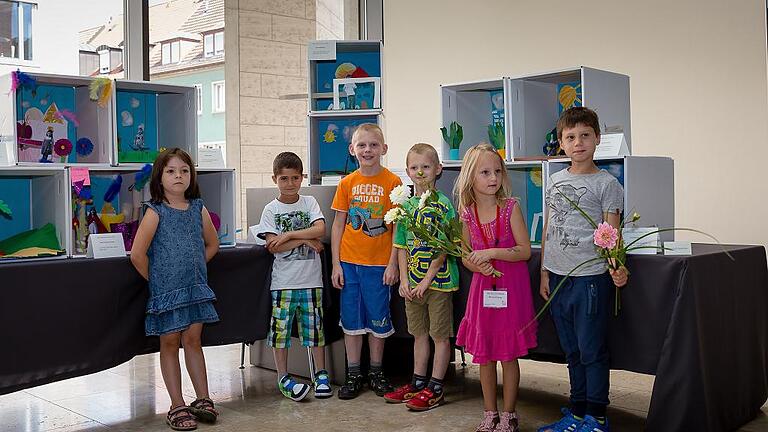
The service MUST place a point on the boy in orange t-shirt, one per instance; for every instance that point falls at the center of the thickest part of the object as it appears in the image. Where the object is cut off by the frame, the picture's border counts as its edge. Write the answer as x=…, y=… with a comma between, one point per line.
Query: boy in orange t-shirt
x=364, y=262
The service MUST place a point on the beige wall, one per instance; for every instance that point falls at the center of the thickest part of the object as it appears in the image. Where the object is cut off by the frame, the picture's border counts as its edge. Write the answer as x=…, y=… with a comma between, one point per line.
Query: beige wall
x=697, y=73
x=266, y=64
x=266, y=79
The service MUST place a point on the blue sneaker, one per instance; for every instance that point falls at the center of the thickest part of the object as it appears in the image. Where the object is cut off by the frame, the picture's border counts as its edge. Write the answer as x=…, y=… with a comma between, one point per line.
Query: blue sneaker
x=569, y=423
x=322, y=385
x=591, y=424
x=291, y=389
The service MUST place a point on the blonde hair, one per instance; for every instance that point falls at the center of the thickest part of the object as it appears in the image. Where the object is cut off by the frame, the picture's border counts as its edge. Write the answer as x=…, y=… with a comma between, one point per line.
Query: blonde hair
x=462, y=190
x=423, y=149
x=367, y=127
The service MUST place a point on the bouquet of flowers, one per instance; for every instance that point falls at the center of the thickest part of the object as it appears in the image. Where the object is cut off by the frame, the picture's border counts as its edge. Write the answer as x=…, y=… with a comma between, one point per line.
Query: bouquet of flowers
x=612, y=249
x=442, y=237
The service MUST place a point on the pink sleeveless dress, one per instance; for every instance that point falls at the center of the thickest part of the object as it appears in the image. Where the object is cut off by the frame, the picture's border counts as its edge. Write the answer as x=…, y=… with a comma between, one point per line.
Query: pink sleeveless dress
x=492, y=334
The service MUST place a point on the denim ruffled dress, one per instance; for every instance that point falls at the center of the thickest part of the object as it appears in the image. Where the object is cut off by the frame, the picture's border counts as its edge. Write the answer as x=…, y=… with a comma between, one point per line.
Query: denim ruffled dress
x=179, y=294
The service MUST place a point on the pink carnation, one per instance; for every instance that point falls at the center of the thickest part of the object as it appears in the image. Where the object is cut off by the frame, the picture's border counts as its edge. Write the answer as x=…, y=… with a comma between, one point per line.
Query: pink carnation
x=606, y=236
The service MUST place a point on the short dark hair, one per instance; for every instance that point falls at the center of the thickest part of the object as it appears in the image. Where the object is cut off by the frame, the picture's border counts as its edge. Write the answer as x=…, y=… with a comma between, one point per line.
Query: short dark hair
x=575, y=115
x=156, y=181
x=287, y=160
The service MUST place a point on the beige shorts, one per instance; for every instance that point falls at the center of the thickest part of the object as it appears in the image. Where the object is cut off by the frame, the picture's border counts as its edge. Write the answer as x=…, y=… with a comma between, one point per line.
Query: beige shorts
x=431, y=314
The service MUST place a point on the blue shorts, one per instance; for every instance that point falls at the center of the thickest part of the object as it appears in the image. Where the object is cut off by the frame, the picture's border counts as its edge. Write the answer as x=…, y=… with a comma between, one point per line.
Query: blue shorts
x=365, y=301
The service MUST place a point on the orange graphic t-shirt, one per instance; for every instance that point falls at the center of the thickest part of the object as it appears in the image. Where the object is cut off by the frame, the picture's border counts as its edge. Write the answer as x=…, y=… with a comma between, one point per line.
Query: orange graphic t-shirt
x=367, y=240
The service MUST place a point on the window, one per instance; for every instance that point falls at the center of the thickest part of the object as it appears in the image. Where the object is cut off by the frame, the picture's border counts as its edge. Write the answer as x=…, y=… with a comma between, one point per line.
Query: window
x=217, y=88
x=171, y=52
x=16, y=30
x=104, y=58
x=199, y=98
x=214, y=44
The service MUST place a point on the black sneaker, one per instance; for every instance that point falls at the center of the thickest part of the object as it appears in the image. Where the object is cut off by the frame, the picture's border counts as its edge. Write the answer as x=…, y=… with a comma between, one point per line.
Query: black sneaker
x=379, y=383
x=351, y=387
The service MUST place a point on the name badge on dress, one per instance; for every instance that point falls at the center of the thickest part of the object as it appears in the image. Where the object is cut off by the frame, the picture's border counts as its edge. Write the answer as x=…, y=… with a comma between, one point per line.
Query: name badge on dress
x=494, y=299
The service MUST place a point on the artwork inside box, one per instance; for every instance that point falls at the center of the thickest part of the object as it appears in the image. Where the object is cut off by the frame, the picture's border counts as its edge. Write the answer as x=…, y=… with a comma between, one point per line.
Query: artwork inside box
x=334, y=137
x=137, y=119
x=46, y=126
x=107, y=203
x=346, y=65
x=18, y=237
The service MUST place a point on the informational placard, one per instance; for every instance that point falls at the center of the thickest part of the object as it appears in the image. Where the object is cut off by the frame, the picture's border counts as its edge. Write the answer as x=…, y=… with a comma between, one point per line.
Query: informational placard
x=210, y=158
x=107, y=245
x=677, y=248
x=648, y=245
x=321, y=50
x=612, y=145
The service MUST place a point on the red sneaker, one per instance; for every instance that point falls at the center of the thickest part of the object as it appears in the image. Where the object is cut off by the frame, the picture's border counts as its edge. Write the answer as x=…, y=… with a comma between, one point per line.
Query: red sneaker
x=425, y=400
x=402, y=394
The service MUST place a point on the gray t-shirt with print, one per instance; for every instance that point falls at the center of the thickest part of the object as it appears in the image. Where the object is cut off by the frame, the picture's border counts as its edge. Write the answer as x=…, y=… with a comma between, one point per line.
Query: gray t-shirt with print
x=570, y=240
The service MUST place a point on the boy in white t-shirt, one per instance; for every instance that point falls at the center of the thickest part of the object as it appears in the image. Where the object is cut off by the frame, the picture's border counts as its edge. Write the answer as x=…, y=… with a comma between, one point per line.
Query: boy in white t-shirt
x=292, y=226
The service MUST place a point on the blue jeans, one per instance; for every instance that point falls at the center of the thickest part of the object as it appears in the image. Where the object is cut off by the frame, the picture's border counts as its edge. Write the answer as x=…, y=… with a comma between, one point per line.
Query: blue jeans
x=581, y=311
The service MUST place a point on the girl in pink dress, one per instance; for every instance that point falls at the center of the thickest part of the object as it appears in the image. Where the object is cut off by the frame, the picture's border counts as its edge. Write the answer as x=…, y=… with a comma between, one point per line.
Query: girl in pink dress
x=499, y=308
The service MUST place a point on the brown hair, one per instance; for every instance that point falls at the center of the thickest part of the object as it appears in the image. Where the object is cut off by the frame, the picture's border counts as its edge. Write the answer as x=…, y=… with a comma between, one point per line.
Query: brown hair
x=575, y=115
x=367, y=127
x=287, y=160
x=423, y=149
x=462, y=190
x=156, y=183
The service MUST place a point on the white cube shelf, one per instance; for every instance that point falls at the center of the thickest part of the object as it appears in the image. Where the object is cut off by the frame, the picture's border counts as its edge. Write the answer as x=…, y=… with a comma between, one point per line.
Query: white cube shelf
x=353, y=59
x=128, y=201
x=536, y=102
x=217, y=189
x=151, y=116
x=649, y=187
x=36, y=196
x=38, y=119
x=330, y=134
x=527, y=187
x=474, y=106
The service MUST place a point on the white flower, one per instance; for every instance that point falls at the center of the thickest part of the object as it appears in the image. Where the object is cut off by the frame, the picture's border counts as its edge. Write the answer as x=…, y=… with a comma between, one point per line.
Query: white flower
x=424, y=197
x=399, y=195
x=394, y=214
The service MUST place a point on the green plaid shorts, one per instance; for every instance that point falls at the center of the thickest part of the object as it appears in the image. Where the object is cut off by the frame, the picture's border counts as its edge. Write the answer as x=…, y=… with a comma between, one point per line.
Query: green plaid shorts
x=308, y=303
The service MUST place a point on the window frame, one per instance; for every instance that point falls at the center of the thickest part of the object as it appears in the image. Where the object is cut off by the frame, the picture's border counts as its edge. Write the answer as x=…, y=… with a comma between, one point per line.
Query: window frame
x=213, y=38
x=170, y=46
x=199, y=98
x=214, y=104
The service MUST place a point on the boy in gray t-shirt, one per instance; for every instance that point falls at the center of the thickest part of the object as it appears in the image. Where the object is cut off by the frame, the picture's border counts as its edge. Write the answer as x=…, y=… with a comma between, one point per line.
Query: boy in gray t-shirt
x=582, y=307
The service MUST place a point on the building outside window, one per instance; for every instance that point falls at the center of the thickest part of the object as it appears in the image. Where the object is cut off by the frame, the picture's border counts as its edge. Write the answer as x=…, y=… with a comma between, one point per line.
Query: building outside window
x=16, y=29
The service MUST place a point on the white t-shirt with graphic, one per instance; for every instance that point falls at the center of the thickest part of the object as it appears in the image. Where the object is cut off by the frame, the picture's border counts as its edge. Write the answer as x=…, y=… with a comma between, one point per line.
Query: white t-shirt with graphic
x=300, y=267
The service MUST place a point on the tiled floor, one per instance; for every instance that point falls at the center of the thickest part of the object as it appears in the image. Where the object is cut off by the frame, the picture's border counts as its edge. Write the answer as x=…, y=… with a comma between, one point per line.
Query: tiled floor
x=132, y=397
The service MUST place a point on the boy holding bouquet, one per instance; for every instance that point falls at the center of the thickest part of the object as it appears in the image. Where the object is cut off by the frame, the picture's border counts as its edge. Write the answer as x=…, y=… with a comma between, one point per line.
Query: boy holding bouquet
x=582, y=307
x=426, y=282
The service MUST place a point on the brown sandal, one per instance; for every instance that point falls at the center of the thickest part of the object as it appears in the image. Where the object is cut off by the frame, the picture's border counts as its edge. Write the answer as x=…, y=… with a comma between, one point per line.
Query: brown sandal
x=180, y=415
x=204, y=411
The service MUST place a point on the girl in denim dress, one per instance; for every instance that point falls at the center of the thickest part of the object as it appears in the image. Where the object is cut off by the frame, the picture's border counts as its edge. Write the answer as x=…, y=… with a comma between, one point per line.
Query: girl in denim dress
x=173, y=243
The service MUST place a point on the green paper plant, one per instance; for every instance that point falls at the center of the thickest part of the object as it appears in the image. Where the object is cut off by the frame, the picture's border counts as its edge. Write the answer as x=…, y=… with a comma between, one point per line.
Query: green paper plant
x=496, y=136
x=453, y=136
x=4, y=209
